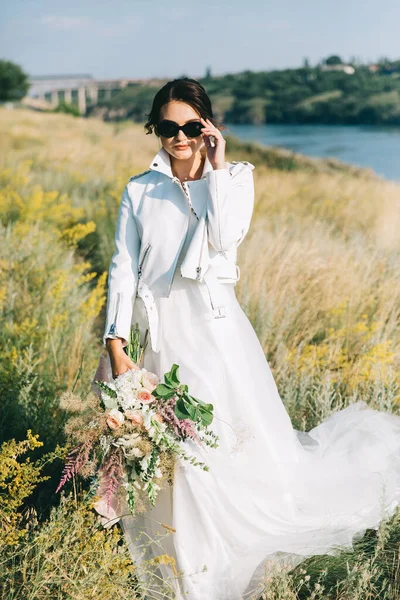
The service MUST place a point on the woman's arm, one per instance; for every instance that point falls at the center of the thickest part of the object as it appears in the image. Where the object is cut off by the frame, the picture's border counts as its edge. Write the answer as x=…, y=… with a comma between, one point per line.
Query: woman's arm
x=122, y=276
x=230, y=206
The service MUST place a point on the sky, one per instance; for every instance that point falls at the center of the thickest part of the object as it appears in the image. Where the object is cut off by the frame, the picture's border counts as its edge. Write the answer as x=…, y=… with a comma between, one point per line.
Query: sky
x=158, y=38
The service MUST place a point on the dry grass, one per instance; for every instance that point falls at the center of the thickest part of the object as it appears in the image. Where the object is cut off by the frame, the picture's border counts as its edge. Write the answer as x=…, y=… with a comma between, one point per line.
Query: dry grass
x=320, y=282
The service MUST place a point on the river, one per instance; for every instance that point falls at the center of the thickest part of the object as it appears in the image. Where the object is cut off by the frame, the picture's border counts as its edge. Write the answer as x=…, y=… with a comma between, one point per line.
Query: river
x=371, y=146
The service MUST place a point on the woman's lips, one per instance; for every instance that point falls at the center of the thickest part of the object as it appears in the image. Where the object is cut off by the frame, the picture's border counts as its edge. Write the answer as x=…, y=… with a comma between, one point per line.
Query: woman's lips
x=182, y=147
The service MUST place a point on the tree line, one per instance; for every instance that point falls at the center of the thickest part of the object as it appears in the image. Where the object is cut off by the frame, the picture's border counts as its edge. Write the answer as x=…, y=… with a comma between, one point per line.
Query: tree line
x=325, y=93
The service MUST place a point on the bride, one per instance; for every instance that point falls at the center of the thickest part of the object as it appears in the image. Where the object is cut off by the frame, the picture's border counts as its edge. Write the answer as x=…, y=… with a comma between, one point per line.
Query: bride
x=272, y=492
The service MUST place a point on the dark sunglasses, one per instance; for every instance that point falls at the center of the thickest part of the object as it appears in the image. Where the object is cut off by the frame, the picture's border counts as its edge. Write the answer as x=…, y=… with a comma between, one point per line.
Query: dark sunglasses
x=170, y=129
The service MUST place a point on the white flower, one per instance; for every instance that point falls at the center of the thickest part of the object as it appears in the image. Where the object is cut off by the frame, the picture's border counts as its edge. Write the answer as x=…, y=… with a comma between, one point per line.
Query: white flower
x=147, y=417
x=137, y=379
x=128, y=444
x=127, y=402
x=104, y=396
x=132, y=453
x=129, y=439
x=104, y=444
x=160, y=425
x=144, y=463
x=127, y=383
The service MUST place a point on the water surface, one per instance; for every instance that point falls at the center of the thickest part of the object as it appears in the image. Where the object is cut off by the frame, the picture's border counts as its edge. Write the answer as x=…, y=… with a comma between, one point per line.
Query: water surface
x=370, y=146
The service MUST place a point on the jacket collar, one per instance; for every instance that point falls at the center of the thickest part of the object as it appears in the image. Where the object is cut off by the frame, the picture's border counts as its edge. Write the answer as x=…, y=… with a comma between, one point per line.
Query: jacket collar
x=162, y=163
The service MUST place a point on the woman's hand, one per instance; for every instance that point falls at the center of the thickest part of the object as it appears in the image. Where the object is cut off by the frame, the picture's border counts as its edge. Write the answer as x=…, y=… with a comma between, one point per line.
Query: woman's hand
x=120, y=361
x=216, y=153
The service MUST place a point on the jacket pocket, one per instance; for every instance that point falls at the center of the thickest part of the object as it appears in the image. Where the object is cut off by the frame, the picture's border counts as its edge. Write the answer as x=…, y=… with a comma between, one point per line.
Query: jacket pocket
x=143, y=259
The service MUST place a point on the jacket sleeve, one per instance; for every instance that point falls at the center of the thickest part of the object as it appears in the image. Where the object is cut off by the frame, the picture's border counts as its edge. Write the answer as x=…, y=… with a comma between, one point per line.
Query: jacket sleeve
x=230, y=205
x=123, y=274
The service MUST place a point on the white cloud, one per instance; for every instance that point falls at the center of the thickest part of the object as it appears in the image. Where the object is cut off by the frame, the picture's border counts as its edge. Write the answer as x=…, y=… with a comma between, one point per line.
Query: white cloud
x=57, y=22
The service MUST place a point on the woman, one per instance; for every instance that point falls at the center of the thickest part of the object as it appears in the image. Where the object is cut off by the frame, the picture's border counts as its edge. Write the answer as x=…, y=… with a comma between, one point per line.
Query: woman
x=272, y=492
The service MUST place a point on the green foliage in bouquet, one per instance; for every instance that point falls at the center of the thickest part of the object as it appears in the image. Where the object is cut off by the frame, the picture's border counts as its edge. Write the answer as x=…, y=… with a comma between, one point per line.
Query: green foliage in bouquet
x=187, y=406
x=135, y=350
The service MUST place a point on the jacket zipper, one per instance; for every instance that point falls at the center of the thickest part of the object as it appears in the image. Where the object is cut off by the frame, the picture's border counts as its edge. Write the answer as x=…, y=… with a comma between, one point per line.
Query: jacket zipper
x=198, y=268
x=177, y=181
x=145, y=253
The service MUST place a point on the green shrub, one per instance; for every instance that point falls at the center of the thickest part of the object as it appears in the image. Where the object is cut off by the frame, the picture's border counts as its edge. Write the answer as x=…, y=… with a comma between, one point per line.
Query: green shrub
x=68, y=109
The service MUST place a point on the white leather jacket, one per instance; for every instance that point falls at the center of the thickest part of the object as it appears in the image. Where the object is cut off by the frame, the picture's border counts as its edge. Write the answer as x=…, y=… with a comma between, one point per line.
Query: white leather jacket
x=151, y=228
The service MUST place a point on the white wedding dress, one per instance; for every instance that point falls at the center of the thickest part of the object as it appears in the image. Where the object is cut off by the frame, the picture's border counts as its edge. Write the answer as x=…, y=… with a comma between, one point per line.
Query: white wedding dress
x=272, y=492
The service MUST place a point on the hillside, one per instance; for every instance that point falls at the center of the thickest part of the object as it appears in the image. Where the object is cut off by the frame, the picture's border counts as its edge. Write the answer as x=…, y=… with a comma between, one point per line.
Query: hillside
x=319, y=94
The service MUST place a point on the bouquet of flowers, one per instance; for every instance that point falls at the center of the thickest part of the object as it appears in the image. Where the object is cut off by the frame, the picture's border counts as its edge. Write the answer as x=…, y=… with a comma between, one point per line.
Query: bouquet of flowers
x=129, y=437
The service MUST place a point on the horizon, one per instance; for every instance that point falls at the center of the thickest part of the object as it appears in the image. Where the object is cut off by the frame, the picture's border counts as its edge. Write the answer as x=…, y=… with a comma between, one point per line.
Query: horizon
x=89, y=75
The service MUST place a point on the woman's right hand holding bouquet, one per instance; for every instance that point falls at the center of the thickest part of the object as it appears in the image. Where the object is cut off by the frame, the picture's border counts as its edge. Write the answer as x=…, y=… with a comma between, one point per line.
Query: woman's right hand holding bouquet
x=120, y=361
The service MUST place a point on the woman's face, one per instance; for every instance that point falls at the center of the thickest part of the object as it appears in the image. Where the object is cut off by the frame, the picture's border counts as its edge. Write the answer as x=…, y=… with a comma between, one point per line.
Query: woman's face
x=180, y=146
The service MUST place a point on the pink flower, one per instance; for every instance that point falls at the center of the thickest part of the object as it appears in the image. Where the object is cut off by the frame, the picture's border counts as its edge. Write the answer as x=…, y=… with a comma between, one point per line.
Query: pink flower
x=145, y=396
x=158, y=418
x=150, y=381
x=115, y=418
x=135, y=417
x=184, y=428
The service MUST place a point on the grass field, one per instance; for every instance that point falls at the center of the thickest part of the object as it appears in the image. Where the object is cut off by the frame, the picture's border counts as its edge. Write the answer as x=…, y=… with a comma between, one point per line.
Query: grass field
x=320, y=282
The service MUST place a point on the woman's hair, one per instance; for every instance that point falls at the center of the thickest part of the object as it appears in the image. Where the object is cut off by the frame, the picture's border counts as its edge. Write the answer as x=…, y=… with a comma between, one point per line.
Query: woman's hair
x=185, y=90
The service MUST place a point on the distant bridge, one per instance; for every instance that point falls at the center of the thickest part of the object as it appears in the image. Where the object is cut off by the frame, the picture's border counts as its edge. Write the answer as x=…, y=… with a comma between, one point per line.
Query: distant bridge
x=81, y=90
